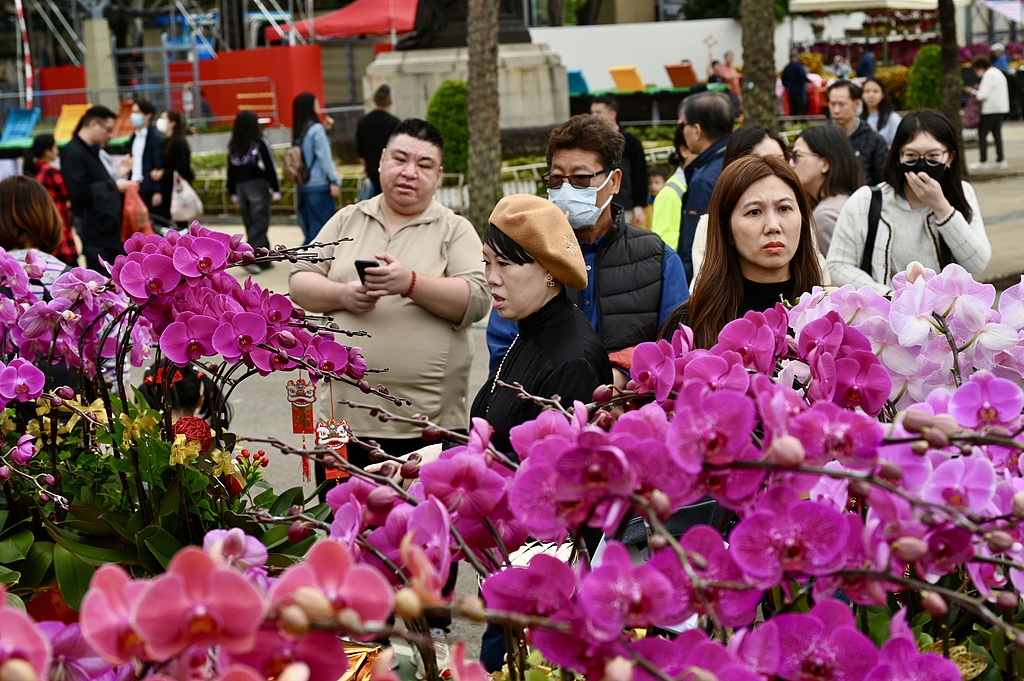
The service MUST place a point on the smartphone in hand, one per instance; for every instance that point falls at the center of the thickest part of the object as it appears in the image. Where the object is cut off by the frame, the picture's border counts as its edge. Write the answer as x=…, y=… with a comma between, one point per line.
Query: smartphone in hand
x=361, y=266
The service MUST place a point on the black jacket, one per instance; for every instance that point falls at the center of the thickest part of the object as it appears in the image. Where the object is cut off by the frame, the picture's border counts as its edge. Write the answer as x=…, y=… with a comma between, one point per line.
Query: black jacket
x=256, y=164
x=633, y=189
x=627, y=284
x=555, y=353
x=871, y=150
x=95, y=199
x=152, y=159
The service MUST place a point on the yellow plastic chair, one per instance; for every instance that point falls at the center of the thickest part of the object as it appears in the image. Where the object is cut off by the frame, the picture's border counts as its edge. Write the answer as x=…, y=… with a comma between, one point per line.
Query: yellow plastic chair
x=70, y=114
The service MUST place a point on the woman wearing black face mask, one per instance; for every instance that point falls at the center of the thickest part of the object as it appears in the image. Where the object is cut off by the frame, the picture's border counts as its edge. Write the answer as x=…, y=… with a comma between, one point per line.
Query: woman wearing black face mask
x=928, y=213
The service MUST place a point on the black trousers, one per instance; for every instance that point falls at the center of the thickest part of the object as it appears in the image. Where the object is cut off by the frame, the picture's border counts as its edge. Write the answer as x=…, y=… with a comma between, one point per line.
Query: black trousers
x=254, y=202
x=797, y=103
x=990, y=123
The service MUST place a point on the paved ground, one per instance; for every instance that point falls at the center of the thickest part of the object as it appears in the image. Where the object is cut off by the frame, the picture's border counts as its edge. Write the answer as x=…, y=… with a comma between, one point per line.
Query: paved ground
x=260, y=408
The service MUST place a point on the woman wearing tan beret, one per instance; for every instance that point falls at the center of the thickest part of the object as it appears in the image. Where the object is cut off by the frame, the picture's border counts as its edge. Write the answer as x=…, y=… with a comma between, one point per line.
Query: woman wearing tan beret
x=530, y=255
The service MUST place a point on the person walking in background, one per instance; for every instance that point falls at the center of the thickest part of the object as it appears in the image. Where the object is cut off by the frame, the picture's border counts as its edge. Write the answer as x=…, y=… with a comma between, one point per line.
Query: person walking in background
x=251, y=179
x=315, y=198
x=878, y=110
x=146, y=145
x=1000, y=59
x=865, y=61
x=38, y=164
x=994, y=96
x=95, y=187
x=177, y=156
x=844, y=101
x=794, y=79
x=829, y=172
x=632, y=193
x=372, y=134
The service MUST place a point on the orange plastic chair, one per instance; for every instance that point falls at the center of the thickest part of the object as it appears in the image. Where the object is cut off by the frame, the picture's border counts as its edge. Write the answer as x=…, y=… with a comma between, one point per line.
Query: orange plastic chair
x=627, y=78
x=682, y=74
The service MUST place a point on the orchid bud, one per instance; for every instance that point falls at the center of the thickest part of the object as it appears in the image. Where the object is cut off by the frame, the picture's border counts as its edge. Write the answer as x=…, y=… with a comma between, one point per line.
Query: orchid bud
x=313, y=603
x=56, y=401
x=387, y=470
x=916, y=419
x=934, y=604
x=287, y=339
x=16, y=669
x=1017, y=504
x=619, y=669
x=247, y=259
x=49, y=480
x=891, y=471
x=947, y=424
x=297, y=532
x=348, y=619
x=430, y=434
x=472, y=608
x=657, y=543
x=294, y=620
x=603, y=419
x=410, y=470
x=311, y=326
x=364, y=386
x=298, y=312
x=5, y=473
x=910, y=549
x=602, y=393
x=632, y=385
x=787, y=451
x=408, y=604
x=919, y=447
x=661, y=504
x=859, y=488
x=294, y=509
x=381, y=500
x=281, y=357
x=915, y=271
x=66, y=392
x=1007, y=600
x=936, y=438
x=44, y=498
x=999, y=541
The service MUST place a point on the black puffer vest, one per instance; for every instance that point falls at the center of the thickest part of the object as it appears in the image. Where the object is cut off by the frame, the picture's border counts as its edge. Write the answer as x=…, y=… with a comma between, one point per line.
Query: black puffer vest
x=628, y=281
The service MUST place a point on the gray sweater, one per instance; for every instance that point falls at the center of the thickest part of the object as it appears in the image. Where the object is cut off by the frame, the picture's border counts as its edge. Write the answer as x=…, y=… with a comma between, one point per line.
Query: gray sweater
x=904, y=235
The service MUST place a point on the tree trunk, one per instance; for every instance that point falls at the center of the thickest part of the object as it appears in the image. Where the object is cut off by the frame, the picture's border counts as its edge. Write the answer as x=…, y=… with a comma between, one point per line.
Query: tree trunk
x=587, y=13
x=951, y=82
x=483, y=111
x=556, y=12
x=757, y=20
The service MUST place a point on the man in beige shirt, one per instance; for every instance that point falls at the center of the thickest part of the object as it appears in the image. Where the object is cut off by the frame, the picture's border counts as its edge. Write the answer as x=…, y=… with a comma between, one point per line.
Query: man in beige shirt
x=417, y=305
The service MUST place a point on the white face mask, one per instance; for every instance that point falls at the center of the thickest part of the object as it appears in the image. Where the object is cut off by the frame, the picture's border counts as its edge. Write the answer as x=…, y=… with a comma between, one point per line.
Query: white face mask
x=161, y=126
x=580, y=205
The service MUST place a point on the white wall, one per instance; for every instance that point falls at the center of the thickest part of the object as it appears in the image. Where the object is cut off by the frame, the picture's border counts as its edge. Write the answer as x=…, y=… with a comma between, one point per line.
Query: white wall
x=649, y=46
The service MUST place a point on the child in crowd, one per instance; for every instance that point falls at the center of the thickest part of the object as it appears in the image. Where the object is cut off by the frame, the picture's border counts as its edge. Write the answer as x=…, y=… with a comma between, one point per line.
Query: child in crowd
x=189, y=392
x=656, y=178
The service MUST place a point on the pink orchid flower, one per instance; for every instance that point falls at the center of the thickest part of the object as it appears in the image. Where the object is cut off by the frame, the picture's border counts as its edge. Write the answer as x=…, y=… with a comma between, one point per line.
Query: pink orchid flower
x=21, y=639
x=322, y=652
x=197, y=601
x=235, y=548
x=106, y=615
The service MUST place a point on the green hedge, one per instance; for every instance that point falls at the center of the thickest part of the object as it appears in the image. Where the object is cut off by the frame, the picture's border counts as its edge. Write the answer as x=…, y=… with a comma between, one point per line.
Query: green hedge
x=924, y=90
x=447, y=110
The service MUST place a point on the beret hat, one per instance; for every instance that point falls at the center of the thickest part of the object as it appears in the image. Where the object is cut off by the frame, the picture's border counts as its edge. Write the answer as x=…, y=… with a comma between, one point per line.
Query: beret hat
x=543, y=231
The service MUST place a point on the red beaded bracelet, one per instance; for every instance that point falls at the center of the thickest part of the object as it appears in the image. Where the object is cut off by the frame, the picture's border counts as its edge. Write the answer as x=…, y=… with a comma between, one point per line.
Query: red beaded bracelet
x=412, y=285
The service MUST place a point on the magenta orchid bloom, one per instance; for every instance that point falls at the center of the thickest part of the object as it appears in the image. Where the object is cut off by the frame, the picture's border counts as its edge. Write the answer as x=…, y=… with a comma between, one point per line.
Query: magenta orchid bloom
x=464, y=484
x=22, y=452
x=717, y=372
x=73, y=658
x=80, y=285
x=709, y=428
x=900, y=660
x=21, y=639
x=142, y=276
x=824, y=645
x=198, y=256
x=828, y=432
x=106, y=615
x=966, y=483
x=984, y=400
x=654, y=369
x=753, y=339
x=188, y=340
x=861, y=381
x=240, y=335
x=542, y=588
x=466, y=671
x=616, y=594
x=197, y=602
x=22, y=381
x=235, y=548
x=326, y=355
x=328, y=569
x=323, y=652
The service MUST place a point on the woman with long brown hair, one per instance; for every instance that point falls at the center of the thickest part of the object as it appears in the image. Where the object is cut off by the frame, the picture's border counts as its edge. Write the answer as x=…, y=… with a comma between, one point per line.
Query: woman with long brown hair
x=759, y=248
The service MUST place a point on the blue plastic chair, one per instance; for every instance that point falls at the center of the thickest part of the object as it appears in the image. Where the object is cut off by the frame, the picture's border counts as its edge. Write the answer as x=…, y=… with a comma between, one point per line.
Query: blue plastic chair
x=20, y=124
x=577, y=83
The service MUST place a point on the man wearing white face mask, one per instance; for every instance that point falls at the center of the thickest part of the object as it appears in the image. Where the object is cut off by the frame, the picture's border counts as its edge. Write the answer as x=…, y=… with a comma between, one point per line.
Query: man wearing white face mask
x=634, y=279
x=146, y=144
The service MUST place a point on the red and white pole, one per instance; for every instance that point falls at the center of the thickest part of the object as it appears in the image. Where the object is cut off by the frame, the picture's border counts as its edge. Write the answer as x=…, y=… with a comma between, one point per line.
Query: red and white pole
x=28, y=54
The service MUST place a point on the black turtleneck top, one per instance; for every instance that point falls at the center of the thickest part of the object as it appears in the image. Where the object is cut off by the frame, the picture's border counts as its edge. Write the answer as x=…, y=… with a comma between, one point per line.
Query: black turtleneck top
x=556, y=352
x=756, y=296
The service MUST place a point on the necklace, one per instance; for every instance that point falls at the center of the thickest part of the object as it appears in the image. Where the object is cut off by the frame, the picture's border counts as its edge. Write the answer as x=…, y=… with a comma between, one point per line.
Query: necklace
x=497, y=374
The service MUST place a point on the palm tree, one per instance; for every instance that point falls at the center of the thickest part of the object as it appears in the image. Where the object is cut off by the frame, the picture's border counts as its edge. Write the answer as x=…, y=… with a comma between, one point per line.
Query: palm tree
x=483, y=111
x=757, y=19
x=951, y=83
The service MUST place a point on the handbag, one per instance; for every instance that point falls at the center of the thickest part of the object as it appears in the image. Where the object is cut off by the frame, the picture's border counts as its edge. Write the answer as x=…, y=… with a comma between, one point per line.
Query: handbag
x=134, y=214
x=971, y=117
x=185, y=202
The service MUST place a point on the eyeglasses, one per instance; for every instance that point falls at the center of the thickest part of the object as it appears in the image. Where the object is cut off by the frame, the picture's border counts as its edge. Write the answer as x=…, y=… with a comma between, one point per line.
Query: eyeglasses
x=578, y=181
x=796, y=155
x=932, y=158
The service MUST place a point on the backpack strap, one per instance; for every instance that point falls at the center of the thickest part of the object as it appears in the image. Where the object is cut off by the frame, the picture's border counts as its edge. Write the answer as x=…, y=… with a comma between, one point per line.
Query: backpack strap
x=874, y=215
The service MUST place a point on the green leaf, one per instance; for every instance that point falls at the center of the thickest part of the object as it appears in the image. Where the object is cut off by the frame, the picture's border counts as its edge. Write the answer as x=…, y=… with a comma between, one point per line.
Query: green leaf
x=3, y=519
x=37, y=564
x=274, y=536
x=15, y=547
x=300, y=548
x=286, y=500
x=15, y=602
x=90, y=553
x=73, y=575
x=156, y=548
x=8, y=576
x=320, y=511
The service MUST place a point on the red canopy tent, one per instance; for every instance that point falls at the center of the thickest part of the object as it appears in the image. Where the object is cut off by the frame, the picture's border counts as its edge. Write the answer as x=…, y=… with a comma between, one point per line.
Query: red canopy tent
x=362, y=17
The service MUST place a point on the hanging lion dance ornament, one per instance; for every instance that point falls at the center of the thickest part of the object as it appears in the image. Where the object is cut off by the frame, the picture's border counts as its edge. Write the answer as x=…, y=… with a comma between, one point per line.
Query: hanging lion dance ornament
x=335, y=436
x=302, y=395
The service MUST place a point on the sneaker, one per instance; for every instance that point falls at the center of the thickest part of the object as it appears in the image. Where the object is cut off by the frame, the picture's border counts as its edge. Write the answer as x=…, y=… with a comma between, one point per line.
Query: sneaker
x=253, y=269
x=441, y=654
x=979, y=165
x=1002, y=165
